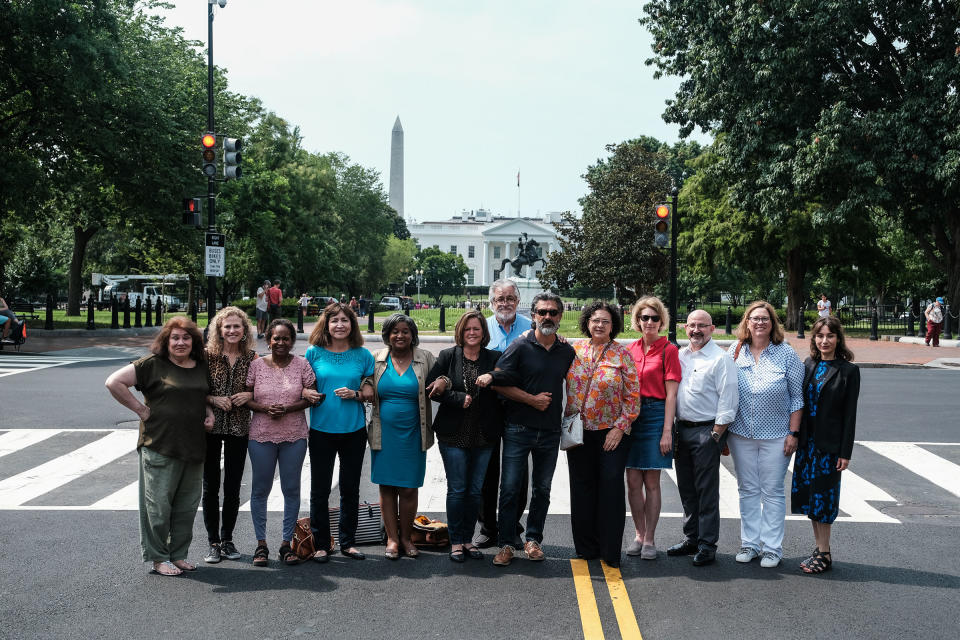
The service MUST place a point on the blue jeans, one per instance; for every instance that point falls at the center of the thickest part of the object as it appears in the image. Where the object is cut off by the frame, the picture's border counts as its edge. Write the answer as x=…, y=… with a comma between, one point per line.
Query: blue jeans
x=519, y=443
x=265, y=457
x=465, y=470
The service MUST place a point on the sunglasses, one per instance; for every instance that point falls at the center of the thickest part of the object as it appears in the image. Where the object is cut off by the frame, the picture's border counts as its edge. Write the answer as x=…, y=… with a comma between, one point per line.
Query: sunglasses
x=649, y=318
x=553, y=313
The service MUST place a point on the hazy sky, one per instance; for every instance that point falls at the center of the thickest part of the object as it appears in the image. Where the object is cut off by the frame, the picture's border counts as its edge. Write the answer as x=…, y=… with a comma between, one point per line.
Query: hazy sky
x=483, y=89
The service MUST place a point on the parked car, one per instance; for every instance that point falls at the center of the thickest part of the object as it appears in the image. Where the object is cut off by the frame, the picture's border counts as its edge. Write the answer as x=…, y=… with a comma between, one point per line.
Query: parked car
x=390, y=302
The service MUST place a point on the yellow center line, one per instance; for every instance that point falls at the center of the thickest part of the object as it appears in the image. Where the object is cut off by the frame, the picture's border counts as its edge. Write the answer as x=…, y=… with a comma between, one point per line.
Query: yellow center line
x=589, y=614
x=629, y=630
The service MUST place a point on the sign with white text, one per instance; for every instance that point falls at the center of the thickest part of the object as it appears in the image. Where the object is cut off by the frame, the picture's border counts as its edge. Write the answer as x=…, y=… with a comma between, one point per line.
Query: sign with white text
x=216, y=255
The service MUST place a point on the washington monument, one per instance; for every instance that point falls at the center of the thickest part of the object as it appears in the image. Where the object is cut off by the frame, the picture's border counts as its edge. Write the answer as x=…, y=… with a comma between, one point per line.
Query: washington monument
x=396, y=168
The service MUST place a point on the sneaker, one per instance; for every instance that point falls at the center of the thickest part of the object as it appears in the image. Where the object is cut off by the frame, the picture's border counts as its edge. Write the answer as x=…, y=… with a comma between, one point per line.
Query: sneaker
x=769, y=560
x=634, y=548
x=504, y=557
x=229, y=551
x=483, y=541
x=747, y=554
x=213, y=556
x=648, y=552
x=533, y=551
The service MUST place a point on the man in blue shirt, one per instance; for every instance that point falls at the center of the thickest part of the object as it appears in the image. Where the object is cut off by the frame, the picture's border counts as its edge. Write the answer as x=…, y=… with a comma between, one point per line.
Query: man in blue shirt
x=505, y=326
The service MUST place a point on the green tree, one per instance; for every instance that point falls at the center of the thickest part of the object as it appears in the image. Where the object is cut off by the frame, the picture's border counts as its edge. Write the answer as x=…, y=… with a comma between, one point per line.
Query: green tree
x=399, y=259
x=443, y=273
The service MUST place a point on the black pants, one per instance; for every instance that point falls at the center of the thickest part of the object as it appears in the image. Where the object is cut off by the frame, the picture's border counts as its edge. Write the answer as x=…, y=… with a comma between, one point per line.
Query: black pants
x=698, y=478
x=490, y=498
x=234, y=458
x=597, y=506
x=324, y=449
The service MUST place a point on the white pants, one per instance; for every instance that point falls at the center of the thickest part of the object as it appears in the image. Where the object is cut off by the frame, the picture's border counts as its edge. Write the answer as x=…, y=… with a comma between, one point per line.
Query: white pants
x=761, y=468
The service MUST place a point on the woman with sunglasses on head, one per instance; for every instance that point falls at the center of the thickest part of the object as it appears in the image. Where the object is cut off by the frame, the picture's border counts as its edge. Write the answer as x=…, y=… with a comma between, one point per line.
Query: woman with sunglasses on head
x=651, y=449
x=831, y=385
x=764, y=433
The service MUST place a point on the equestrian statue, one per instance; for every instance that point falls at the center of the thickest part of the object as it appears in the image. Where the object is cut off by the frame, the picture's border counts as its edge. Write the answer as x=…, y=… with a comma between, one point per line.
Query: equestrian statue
x=526, y=255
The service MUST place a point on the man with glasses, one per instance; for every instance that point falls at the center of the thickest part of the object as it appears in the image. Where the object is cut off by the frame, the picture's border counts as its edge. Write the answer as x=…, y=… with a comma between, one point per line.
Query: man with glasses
x=706, y=404
x=505, y=326
x=531, y=373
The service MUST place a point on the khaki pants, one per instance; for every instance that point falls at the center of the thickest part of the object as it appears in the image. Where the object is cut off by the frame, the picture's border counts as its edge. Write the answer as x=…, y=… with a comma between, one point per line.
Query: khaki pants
x=169, y=496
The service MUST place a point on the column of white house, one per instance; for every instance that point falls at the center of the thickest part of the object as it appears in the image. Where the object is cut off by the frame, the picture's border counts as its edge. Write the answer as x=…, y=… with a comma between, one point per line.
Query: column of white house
x=485, y=269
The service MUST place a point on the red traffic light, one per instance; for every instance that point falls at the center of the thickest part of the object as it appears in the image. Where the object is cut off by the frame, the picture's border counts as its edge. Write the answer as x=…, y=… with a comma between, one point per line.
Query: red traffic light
x=208, y=141
x=663, y=211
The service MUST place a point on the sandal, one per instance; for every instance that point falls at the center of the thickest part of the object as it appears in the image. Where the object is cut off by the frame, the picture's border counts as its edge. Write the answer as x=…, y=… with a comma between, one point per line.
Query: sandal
x=819, y=562
x=261, y=556
x=321, y=555
x=806, y=563
x=287, y=556
x=457, y=555
x=165, y=568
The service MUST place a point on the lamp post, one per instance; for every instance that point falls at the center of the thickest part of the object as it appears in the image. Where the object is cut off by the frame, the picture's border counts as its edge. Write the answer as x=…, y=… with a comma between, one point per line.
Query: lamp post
x=211, y=181
x=419, y=273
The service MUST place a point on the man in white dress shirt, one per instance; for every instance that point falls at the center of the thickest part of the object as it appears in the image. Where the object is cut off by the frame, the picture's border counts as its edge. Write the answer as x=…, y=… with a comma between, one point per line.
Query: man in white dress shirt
x=706, y=405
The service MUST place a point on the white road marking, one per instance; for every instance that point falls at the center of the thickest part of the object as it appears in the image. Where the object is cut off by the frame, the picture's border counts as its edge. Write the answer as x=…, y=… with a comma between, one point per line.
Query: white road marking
x=17, y=439
x=13, y=364
x=925, y=464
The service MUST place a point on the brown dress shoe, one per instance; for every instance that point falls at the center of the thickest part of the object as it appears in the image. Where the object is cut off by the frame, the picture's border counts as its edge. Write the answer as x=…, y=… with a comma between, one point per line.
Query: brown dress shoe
x=533, y=551
x=504, y=556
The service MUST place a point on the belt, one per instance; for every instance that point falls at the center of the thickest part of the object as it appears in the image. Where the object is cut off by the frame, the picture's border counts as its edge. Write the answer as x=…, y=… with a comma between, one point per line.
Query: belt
x=688, y=424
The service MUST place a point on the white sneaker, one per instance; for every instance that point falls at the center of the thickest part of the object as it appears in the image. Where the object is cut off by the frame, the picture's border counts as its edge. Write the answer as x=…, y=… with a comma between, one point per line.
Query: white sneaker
x=747, y=554
x=769, y=560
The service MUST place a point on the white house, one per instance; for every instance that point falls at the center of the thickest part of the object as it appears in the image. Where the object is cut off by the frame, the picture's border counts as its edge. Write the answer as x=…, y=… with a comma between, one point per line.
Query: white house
x=485, y=241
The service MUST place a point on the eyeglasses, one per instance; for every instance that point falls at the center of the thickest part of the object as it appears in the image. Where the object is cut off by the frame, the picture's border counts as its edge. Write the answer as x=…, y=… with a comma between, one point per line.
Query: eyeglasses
x=553, y=313
x=505, y=300
x=695, y=325
x=759, y=319
x=649, y=318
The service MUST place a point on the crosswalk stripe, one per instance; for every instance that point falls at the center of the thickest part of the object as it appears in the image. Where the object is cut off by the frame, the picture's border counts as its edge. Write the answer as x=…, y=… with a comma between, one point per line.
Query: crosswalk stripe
x=925, y=464
x=13, y=441
x=33, y=483
x=13, y=364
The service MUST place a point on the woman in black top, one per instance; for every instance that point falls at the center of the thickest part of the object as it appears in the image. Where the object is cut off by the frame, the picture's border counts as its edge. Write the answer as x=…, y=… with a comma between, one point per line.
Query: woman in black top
x=468, y=423
x=831, y=388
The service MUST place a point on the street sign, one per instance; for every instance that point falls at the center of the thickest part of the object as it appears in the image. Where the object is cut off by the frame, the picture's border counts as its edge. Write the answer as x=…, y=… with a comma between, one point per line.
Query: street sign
x=216, y=257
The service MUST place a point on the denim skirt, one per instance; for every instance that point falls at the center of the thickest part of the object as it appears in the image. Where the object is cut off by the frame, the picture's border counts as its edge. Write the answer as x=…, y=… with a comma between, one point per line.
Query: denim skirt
x=645, y=433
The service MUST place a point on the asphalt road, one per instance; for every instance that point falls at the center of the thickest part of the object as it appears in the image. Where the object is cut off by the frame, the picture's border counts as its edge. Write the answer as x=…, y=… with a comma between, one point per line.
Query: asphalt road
x=69, y=571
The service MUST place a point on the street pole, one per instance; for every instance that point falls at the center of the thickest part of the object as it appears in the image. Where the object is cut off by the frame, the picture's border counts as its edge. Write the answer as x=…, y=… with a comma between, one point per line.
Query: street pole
x=674, y=230
x=211, y=182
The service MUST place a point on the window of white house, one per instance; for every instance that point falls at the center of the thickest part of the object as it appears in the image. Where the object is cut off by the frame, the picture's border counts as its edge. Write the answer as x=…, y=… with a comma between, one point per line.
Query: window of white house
x=469, y=276
x=470, y=251
x=496, y=253
x=453, y=248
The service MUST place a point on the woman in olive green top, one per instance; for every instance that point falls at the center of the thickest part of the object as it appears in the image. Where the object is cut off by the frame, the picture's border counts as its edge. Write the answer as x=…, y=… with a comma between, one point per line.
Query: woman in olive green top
x=173, y=420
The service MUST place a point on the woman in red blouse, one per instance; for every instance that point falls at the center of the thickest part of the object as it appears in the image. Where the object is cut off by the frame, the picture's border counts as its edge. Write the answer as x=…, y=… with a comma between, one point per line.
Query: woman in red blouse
x=658, y=365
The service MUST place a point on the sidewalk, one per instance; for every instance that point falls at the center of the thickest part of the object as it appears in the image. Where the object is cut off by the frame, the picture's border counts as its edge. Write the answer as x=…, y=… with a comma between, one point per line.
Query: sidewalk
x=867, y=353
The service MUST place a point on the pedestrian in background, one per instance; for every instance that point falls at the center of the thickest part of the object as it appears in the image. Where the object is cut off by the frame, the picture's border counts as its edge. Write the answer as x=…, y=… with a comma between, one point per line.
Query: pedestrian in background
x=229, y=354
x=262, y=306
x=823, y=306
x=400, y=432
x=934, y=315
x=651, y=448
x=337, y=424
x=275, y=299
x=468, y=422
x=278, y=434
x=831, y=385
x=603, y=387
x=764, y=433
x=174, y=417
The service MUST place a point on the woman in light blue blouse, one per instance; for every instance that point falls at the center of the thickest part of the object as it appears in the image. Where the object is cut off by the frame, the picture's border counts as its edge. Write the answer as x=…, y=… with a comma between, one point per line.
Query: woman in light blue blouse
x=764, y=434
x=338, y=424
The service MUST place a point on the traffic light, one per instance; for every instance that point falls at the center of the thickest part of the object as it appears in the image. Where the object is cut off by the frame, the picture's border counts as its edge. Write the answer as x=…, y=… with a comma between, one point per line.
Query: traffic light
x=191, y=212
x=207, y=143
x=661, y=227
x=232, y=158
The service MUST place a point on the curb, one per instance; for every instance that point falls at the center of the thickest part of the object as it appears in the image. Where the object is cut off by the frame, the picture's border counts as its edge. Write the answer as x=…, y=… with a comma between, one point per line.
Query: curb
x=92, y=333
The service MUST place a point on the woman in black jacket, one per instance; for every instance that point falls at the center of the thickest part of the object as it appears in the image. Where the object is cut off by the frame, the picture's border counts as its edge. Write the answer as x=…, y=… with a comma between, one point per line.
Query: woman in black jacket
x=468, y=423
x=831, y=387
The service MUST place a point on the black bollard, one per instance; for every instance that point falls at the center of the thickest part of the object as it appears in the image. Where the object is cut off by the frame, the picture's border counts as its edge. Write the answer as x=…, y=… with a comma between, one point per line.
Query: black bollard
x=299, y=319
x=443, y=319
x=158, y=312
x=406, y=311
x=90, y=323
x=126, y=312
x=729, y=329
x=370, y=318
x=114, y=313
x=922, y=331
x=48, y=321
x=136, y=312
x=800, y=323
x=946, y=323
x=193, y=311
x=911, y=330
x=149, y=312
x=874, y=322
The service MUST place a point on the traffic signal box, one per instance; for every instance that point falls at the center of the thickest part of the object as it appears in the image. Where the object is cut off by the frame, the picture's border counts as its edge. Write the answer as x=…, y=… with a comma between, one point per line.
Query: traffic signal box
x=207, y=143
x=232, y=158
x=661, y=227
x=191, y=212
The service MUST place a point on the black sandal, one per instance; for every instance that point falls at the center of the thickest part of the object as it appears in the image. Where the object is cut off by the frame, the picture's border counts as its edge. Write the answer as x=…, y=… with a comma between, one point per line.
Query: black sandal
x=457, y=555
x=819, y=562
x=261, y=557
x=287, y=556
x=806, y=563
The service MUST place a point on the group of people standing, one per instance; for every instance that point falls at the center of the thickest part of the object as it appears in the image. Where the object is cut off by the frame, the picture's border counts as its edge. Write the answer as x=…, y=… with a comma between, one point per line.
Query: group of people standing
x=501, y=393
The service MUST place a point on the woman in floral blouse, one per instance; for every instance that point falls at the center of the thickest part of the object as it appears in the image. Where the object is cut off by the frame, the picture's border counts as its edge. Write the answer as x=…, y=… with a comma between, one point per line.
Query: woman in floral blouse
x=603, y=386
x=229, y=355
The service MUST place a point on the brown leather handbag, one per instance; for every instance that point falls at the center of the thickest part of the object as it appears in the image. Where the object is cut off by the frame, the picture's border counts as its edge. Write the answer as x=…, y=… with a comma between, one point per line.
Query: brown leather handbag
x=431, y=534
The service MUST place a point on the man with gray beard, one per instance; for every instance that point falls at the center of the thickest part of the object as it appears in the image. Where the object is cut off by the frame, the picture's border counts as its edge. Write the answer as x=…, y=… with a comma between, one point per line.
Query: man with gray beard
x=707, y=402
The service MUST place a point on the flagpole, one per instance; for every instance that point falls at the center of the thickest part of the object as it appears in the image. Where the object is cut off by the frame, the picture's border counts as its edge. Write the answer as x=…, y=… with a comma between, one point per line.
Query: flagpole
x=518, y=193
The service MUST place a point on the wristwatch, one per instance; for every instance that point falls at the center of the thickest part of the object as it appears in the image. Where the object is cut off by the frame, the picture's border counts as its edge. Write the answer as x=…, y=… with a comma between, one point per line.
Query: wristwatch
x=795, y=434
x=715, y=435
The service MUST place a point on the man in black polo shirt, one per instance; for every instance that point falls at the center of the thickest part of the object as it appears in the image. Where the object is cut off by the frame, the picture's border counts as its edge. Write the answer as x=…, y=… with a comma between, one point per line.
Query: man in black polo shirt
x=536, y=365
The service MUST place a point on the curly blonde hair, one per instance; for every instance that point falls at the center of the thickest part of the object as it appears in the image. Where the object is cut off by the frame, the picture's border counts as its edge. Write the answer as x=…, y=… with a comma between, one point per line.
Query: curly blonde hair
x=215, y=335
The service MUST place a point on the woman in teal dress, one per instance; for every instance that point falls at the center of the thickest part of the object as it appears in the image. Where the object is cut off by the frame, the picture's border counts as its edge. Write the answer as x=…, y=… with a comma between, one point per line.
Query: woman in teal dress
x=400, y=432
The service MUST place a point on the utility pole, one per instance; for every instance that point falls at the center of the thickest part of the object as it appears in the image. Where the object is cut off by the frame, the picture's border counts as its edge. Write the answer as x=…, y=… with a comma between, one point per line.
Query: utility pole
x=211, y=180
x=674, y=230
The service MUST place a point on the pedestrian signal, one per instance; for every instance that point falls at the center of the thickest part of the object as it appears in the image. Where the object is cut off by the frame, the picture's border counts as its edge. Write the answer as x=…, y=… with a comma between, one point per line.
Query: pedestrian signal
x=207, y=143
x=661, y=227
x=191, y=212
